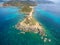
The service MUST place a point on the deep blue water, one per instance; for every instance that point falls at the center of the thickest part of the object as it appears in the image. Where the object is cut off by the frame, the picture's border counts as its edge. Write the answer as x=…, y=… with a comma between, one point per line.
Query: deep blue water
x=50, y=20
x=49, y=16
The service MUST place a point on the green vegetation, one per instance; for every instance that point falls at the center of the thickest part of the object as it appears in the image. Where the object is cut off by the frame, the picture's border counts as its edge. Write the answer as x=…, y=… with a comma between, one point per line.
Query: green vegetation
x=20, y=3
x=26, y=9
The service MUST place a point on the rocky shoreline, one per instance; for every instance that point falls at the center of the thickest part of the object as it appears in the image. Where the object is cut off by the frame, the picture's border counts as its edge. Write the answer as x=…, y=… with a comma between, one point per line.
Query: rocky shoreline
x=29, y=24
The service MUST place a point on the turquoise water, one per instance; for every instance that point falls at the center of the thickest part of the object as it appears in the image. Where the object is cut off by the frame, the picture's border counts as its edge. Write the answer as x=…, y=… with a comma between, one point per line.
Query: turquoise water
x=9, y=16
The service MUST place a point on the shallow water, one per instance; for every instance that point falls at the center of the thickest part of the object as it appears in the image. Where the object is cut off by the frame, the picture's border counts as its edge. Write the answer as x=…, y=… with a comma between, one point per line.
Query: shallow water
x=11, y=36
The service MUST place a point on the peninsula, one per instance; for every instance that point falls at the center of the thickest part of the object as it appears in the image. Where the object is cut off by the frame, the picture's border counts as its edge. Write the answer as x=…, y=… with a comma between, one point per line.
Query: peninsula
x=29, y=23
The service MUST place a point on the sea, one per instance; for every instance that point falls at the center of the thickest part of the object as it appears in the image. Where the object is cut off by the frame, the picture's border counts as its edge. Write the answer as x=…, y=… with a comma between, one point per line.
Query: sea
x=46, y=14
